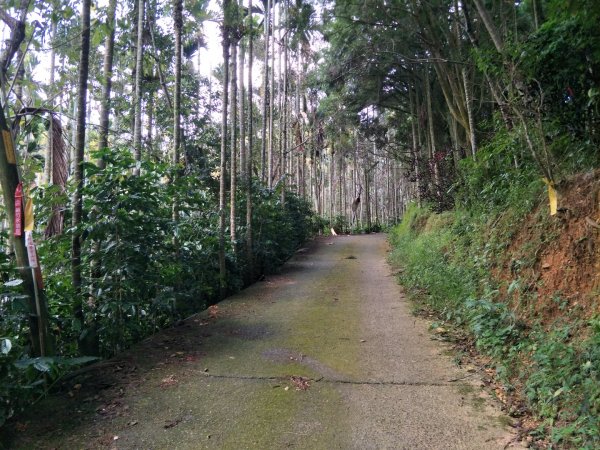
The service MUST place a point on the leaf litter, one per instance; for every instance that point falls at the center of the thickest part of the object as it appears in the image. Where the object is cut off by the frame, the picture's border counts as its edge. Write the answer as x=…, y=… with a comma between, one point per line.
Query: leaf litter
x=301, y=383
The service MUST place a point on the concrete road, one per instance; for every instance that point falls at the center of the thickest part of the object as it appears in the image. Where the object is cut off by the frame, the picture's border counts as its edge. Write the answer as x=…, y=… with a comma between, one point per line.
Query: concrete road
x=325, y=355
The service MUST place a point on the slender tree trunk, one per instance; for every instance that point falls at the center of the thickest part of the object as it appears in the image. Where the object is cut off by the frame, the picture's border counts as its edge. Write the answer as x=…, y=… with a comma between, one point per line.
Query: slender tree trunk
x=278, y=175
x=242, y=109
x=223, y=167
x=150, y=130
x=88, y=112
x=178, y=26
x=249, y=242
x=107, y=81
x=415, y=142
x=265, y=94
x=489, y=25
x=176, y=152
x=471, y=116
x=284, y=171
x=50, y=94
x=432, y=143
x=233, y=144
x=271, y=106
x=78, y=176
x=137, y=129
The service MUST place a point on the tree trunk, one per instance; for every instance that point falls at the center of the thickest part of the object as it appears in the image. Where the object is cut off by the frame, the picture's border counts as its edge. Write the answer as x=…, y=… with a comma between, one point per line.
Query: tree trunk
x=107, y=81
x=78, y=175
x=265, y=94
x=271, y=105
x=489, y=25
x=50, y=93
x=223, y=168
x=150, y=129
x=176, y=152
x=249, y=243
x=178, y=26
x=137, y=129
x=471, y=116
x=233, y=144
x=284, y=144
x=415, y=142
x=242, y=109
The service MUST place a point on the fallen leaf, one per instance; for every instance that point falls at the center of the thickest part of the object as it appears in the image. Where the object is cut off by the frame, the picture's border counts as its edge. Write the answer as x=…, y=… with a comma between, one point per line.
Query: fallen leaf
x=171, y=423
x=168, y=381
x=213, y=311
x=301, y=383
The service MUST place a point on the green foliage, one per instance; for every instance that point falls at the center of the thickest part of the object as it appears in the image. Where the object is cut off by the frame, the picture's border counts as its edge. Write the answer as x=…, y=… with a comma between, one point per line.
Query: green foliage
x=143, y=270
x=445, y=259
x=426, y=260
x=127, y=251
x=279, y=230
x=564, y=384
x=23, y=380
x=495, y=328
x=502, y=176
x=340, y=224
x=561, y=61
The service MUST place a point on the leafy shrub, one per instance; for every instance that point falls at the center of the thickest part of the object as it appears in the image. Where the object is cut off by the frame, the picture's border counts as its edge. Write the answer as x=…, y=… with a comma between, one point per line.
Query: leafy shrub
x=564, y=384
x=340, y=224
x=23, y=379
x=142, y=268
x=445, y=263
x=494, y=327
x=425, y=258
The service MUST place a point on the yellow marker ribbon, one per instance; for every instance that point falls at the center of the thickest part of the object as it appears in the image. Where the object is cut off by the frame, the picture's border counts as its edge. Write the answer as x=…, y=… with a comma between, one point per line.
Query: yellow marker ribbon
x=552, y=196
x=28, y=215
x=8, y=147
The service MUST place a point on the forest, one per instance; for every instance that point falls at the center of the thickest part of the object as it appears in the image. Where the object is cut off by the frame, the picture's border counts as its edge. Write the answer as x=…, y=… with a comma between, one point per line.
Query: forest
x=145, y=178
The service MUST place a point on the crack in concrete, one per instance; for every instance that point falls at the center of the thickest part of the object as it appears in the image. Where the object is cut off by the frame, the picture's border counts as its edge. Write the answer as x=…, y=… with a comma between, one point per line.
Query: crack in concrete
x=330, y=380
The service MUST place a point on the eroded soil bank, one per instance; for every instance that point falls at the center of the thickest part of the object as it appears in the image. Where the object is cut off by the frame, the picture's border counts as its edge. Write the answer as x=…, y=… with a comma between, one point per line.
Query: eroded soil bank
x=325, y=355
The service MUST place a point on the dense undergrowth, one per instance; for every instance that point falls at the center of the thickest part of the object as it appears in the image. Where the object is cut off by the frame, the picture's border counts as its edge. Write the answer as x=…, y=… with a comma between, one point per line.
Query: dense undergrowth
x=557, y=367
x=137, y=277
x=447, y=263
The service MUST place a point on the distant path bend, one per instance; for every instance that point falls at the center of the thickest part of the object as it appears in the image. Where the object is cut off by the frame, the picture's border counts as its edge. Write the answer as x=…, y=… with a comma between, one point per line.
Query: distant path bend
x=325, y=355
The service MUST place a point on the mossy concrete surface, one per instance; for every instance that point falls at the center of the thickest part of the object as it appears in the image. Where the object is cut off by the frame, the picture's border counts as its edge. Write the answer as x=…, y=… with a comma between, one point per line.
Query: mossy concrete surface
x=324, y=355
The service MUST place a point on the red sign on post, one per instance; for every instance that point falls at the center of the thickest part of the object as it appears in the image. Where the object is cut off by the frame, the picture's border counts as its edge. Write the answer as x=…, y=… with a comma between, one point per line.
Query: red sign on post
x=19, y=210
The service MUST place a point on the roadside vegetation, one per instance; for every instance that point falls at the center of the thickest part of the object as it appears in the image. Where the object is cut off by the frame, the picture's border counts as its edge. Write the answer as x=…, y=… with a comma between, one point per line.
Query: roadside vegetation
x=160, y=187
x=488, y=271
x=143, y=272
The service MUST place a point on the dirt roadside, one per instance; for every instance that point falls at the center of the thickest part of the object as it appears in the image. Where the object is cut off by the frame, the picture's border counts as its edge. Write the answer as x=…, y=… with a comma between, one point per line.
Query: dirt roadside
x=325, y=355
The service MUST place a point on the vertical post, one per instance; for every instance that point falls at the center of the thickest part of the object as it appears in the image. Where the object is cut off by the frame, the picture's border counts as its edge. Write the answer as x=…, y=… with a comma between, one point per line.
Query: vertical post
x=9, y=179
